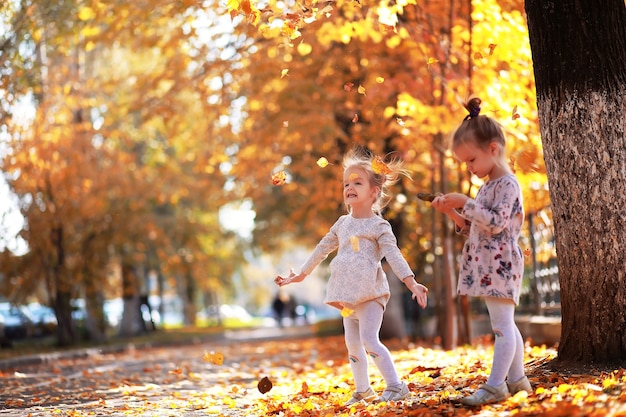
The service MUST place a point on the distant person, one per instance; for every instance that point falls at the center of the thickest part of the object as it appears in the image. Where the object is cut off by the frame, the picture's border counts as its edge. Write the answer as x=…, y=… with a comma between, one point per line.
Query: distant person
x=358, y=285
x=492, y=261
x=280, y=306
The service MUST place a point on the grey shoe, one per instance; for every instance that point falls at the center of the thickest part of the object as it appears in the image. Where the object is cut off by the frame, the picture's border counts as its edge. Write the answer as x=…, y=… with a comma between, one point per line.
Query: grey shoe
x=395, y=393
x=522, y=384
x=366, y=396
x=487, y=394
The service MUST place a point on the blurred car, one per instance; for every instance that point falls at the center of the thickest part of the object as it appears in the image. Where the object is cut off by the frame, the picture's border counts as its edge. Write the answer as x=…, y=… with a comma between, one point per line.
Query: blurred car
x=4, y=341
x=17, y=323
x=43, y=317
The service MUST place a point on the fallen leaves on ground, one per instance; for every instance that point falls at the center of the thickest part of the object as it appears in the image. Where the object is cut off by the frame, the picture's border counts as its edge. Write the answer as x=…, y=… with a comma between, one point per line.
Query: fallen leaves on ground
x=308, y=377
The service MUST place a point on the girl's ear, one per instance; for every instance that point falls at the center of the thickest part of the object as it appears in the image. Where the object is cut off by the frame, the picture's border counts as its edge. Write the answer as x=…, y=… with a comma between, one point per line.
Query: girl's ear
x=494, y=148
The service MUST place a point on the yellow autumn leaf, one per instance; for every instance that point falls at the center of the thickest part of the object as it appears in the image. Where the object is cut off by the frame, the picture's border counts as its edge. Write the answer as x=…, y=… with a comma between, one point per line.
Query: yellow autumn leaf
x=322, y=162
x=86, y=13
x=304, y=48
x=354, y=241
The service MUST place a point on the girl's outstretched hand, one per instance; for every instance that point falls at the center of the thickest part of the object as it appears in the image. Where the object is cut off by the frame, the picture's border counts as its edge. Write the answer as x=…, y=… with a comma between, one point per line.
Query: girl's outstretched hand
x=420, y=294
x=293, y=277
x=419, y=291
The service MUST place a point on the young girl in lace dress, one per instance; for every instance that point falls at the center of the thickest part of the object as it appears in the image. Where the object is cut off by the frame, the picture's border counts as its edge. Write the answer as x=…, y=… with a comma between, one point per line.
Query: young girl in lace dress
x=357, y=285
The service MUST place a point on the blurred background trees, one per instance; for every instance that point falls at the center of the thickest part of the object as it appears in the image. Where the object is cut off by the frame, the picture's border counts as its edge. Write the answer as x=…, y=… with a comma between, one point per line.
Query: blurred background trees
x=127, y=128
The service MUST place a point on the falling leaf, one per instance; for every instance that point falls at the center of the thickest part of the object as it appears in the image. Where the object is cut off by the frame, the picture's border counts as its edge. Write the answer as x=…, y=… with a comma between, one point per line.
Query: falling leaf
x=304, y=48
x=348, y=86
x=214, y=358
x=322, y=162
x=515, y=114
x=478, y=55
x=380, y=80
x=426, y=196
x=304, y=391
x=354, y=241
x=355, y=119
x=284, y=73
x=286, y=123
x=379, y=166
x=431, y=61
x=279, y=178
x=492, y=46
x=264, y=385
x=388, y=28
x=361, y=90
x=400, y=121
x=86, y=13
x=176, y=371
x=527, y=252
x=512, y=164
x=346, y=312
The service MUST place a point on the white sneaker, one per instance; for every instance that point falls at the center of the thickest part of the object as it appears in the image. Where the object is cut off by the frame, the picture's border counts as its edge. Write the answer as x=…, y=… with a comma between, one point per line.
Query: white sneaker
x=487, y=394
x=366, y=396
x=395, y=393
x=522, y=384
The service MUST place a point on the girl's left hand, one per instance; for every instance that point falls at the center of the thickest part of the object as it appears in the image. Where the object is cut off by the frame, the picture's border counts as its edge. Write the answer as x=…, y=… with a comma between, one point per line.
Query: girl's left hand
x=420, y=293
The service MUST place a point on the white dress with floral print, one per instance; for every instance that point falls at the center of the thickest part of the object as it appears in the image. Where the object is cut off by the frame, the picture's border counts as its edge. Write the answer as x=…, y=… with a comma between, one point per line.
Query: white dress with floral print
x=493, y=264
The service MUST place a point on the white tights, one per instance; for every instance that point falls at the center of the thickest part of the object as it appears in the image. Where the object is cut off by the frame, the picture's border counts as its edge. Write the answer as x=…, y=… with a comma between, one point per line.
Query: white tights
x=362, y=329
x=508, y=350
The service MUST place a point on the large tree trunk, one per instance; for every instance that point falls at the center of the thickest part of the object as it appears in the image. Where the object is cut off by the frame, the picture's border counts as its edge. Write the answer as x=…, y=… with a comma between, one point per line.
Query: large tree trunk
x=579, y=59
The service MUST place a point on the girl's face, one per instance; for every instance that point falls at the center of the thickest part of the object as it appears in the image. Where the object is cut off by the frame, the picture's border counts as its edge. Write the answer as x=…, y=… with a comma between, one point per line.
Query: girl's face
x=479, y=161
x=357, y=189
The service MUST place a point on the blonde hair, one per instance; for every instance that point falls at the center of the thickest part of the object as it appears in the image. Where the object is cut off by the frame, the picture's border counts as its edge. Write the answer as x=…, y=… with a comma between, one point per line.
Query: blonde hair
x=392, y=170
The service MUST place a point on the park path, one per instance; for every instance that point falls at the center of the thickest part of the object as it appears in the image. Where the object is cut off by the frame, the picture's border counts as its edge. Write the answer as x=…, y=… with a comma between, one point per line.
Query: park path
x=173, y=380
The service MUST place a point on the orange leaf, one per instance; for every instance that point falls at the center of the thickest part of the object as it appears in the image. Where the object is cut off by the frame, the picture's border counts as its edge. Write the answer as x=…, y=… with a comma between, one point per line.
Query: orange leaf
x=492, y=46
x=279, y=178
x=515, y=114
x=379, y=166
x=304, y=391
x=431, y=61
x=214, y=358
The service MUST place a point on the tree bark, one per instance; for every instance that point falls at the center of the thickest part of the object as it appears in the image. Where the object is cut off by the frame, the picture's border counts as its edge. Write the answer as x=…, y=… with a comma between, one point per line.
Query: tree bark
x=579, y=59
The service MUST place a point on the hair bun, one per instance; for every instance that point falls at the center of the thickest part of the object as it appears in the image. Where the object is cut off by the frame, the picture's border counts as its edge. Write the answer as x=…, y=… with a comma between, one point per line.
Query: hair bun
x=473, y=107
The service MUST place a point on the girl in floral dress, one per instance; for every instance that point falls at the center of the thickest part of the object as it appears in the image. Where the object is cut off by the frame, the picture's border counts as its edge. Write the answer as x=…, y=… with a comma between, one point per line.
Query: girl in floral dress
x=492, y=261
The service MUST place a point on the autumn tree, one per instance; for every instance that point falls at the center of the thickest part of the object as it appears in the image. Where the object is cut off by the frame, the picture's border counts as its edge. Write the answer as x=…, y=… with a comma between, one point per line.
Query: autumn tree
x=579, y=57
x=121, y=161
x=326, y=77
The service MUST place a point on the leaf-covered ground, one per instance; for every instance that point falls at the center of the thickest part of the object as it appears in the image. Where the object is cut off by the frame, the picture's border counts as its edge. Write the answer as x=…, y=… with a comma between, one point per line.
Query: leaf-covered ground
x=299, y=377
